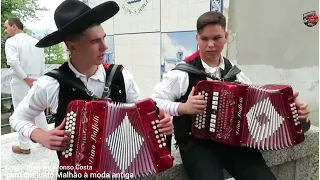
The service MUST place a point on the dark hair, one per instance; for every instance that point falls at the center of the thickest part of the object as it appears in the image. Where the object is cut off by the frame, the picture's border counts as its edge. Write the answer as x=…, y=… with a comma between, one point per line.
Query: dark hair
x=76, y=36
x=15, y=21
x=211, y=18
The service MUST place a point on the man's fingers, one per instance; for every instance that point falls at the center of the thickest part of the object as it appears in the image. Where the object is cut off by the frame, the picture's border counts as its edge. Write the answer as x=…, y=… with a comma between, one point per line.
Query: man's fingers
x=166, y=128
x=199, y=107
x=164, y=121
x=62, y=125
x=57, y=148
x=303, y=112
x=199, y=102
x=303, y=117
x=192, y=91
x=60, y=144
x=60, y=139
x=166, y=131
x=60, y=133
x=161, y=113
x=199, y=97
x=303, y=106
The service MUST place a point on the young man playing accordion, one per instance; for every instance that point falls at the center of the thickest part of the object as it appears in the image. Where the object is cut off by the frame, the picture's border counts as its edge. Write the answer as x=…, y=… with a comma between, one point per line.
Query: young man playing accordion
x=206, y=159
x=79, y=28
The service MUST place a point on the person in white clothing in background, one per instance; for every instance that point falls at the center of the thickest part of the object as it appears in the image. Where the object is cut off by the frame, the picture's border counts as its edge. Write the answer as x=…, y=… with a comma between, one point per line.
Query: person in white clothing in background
x=27, y=63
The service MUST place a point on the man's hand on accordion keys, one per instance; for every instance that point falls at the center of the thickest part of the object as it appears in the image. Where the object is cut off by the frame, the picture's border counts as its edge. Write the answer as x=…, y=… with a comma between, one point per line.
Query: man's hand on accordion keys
x=165, y=124
x=56, y=139
x=302, y=108
x=194, y=105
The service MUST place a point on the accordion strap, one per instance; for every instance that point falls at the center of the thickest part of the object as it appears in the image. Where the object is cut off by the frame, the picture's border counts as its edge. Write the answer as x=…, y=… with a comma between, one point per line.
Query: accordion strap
x=232, y=72
x=191, y=69
x=107, y=87
x=65, y=81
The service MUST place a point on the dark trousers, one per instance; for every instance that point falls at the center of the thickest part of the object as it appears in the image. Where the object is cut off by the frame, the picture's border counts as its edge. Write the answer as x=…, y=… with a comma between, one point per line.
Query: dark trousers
x=205, y=160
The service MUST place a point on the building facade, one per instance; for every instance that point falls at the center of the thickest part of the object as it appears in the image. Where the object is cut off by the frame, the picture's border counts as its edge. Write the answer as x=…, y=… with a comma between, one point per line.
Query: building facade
x=149, y=36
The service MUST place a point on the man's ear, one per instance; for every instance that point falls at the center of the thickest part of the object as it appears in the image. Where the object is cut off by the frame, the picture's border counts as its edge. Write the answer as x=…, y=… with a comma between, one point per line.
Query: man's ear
x=70, y=46
x=226, y=35
x=14, y=26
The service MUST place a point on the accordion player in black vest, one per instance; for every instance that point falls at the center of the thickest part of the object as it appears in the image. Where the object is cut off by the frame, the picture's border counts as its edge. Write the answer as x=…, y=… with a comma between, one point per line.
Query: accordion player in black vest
x=79, y=27
x=205, y=159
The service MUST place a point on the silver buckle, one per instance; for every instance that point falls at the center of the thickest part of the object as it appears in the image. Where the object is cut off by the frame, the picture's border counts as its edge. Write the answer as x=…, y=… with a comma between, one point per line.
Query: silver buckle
x=106, y=89
x=90, y=93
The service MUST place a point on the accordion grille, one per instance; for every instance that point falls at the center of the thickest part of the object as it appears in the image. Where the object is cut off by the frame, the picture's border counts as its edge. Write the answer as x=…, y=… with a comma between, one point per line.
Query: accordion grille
x=267, y=125
x=126, y=144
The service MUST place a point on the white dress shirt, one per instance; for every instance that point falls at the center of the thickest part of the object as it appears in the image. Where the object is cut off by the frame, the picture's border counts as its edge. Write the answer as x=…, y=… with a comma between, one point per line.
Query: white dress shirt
x=45, y=94
x=175, y=84
x=23, y=57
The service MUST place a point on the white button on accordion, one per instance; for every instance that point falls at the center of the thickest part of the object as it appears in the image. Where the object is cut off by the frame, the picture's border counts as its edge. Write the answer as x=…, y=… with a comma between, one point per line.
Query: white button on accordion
x=109, y=137
x=261, y=117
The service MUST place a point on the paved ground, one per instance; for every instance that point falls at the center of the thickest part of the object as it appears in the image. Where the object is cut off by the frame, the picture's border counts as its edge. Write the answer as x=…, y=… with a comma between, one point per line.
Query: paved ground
x=40, y=164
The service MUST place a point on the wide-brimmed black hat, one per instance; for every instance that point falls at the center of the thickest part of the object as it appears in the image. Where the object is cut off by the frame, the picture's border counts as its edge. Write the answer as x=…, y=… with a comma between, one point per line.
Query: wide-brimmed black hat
x=74, y=16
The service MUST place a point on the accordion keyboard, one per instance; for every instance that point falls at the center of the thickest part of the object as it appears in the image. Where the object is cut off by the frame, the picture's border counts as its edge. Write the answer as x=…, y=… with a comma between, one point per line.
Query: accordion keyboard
x=70, y=127
x=218, y=119
x=159, y=136
x=200, y=120
x=294, y=112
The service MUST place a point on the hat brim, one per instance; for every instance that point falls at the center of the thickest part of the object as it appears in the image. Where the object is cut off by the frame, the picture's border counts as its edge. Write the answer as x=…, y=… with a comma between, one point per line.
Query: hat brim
x=96, y=15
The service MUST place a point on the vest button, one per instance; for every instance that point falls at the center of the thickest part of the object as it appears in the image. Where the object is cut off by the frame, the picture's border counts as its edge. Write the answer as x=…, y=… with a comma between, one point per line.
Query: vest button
x=190, y=133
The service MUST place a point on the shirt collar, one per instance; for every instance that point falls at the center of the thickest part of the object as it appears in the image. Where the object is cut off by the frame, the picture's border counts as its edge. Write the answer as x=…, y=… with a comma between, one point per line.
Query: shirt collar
x=221, y=65
x=99, y=75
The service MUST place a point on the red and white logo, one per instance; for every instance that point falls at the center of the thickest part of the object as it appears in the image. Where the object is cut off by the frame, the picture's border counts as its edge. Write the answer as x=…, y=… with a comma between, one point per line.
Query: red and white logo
x=310, y=19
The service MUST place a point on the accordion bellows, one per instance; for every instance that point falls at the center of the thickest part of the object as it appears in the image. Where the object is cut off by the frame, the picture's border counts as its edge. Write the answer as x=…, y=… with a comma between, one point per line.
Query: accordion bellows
x=261, y=117
x=113, y=138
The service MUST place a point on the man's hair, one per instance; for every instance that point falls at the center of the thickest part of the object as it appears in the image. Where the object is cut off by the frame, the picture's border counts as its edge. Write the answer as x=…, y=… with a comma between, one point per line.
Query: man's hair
x=76, y=36
x=15, y=21
x=211, y=18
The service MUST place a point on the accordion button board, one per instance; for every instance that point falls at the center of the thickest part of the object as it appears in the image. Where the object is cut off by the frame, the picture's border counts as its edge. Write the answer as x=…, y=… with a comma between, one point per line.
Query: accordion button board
x=261, y=117
x=70, y=127
x=113, y=138
x=159, y=136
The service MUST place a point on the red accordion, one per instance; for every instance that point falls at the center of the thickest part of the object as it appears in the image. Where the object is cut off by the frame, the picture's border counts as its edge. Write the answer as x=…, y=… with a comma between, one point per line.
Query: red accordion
x=110, y=138
x=261, y=117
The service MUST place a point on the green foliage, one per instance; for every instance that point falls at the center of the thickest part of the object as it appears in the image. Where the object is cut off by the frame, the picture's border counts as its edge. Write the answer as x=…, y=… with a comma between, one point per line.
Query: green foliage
x=54, y=54
x=23, y=9
x=3, y=60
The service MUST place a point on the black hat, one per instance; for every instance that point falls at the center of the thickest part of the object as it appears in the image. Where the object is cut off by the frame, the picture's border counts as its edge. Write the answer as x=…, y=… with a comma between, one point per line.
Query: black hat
x=74, y=16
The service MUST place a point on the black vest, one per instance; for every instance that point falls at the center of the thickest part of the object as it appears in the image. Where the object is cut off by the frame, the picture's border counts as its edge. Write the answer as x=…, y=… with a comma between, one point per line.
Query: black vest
x=66, y=94
x=182, y=124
